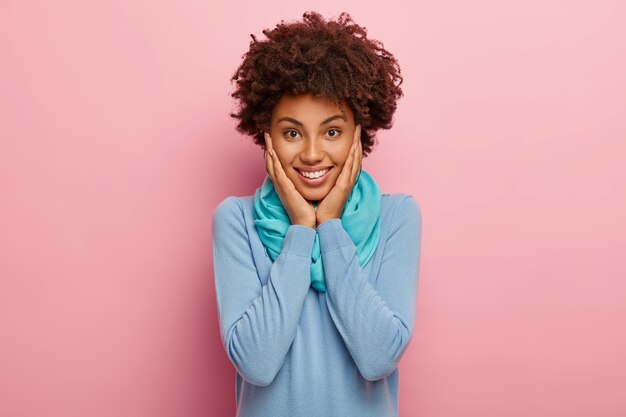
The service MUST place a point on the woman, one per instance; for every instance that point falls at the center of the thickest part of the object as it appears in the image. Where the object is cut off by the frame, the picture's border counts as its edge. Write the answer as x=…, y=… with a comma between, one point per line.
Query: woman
x=316, y=274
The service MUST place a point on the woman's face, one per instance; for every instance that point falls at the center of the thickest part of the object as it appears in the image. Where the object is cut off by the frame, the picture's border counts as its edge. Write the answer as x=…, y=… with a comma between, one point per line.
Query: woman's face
x=311, y=137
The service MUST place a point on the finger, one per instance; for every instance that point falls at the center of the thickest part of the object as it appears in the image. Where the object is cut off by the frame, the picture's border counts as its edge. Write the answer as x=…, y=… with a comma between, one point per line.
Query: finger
x=357, y=133
x=280, y=176
x=270, y=147
x=360, y=152
x=346, y=171
x=269, y=159
x=354, y=154
x=269, y=165
x=356, y=165
x=268, y=141
x=358, y=159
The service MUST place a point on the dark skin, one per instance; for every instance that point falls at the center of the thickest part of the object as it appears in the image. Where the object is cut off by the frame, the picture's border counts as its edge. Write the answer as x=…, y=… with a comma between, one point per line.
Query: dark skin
x=309, y=132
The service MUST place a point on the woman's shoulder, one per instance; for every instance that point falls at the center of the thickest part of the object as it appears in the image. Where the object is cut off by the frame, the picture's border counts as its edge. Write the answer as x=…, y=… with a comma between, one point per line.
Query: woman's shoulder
x=394, y=206
x=232, y=209
x=228, y=206
x=234, y=203
x=231, y=220
x=395, y=197
x=400, y=210
x=401, y=201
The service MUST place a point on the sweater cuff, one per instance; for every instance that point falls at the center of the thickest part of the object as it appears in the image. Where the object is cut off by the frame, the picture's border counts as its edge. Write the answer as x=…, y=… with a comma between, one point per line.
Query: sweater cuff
x=299, y=240
x=333, y=235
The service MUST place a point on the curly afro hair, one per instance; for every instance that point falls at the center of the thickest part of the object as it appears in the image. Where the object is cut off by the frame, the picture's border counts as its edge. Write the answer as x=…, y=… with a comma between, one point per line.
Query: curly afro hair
x=333, y=58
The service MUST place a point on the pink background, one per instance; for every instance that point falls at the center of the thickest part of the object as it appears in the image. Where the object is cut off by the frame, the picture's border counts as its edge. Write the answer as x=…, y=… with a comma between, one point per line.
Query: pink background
x=116, y=146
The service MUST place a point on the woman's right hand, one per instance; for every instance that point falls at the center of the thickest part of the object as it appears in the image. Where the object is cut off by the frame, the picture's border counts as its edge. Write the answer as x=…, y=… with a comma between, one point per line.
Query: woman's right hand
x=300, y=210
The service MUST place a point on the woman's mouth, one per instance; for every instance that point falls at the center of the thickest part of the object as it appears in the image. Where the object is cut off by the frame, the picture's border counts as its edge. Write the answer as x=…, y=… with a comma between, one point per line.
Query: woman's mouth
x=314, y=177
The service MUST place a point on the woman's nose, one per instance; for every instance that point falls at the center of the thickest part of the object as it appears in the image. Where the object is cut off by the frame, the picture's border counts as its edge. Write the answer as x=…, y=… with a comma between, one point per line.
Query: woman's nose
x=312, y=151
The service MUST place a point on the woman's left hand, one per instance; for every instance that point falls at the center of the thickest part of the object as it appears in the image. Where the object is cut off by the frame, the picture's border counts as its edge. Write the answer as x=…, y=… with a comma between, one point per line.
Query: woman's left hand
x=332, y=205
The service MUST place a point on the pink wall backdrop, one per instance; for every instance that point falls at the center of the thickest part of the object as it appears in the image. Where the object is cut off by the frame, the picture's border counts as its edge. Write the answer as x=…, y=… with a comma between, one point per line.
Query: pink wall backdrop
x=116, y=146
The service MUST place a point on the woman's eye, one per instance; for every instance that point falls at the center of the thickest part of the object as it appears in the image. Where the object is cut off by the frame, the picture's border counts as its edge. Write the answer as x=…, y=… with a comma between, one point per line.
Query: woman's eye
x=291, y=134
x=333, y=133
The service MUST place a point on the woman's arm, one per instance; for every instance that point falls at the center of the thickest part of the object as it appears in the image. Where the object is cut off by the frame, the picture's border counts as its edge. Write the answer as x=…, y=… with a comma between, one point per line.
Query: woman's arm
x=376, y=323
x=258, y=323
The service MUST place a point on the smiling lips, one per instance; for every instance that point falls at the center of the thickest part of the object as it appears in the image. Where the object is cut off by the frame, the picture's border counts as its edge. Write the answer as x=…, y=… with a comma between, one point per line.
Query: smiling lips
x=313, y=176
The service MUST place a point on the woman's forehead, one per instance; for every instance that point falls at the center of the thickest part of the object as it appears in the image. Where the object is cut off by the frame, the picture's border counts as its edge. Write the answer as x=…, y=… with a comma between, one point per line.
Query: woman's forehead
x=307, y=107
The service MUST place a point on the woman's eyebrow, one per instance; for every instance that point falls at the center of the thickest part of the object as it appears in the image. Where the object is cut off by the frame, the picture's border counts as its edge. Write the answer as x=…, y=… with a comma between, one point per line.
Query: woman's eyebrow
x=289, y=119
x=331, y=118
x=298, y=123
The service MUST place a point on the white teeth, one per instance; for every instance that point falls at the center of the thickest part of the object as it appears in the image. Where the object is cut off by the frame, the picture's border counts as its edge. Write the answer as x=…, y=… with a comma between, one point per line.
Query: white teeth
x=314, y=174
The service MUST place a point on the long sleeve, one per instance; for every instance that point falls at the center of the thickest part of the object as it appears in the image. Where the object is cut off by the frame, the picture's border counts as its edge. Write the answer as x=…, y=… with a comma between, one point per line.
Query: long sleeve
x=375, y=321
x=258, y=322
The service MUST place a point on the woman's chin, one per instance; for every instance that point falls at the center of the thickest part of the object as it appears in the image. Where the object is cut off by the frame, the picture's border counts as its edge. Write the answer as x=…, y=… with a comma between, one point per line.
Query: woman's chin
x=314, y=195
x=314, y=192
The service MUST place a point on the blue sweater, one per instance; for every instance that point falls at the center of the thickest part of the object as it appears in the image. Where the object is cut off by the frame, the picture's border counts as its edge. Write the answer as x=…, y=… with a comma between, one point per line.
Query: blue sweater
x=299, y=352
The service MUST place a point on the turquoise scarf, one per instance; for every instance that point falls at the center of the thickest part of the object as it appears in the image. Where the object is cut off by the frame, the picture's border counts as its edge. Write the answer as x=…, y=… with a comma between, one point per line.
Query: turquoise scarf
x=360, y=218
